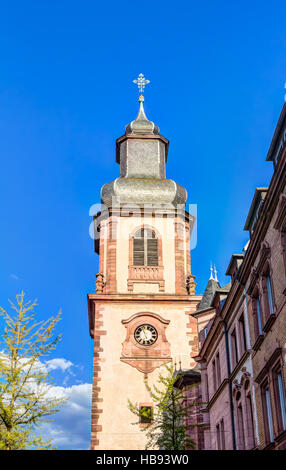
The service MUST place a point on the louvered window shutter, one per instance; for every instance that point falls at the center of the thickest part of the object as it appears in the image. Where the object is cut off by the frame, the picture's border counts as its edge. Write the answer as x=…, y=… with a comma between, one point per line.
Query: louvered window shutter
x=138, y=251
x=152, y=252
x=145, y=248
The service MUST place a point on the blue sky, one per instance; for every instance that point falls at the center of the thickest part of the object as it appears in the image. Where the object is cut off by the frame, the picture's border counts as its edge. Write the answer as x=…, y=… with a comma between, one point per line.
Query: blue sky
x=217, y=72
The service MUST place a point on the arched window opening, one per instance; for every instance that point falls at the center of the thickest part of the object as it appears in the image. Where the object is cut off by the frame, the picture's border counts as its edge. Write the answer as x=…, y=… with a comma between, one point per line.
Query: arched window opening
x=145, y=248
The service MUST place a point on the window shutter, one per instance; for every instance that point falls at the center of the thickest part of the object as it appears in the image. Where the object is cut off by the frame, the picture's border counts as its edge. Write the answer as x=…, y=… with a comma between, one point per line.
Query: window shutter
x=138, y=251
x=152, y=252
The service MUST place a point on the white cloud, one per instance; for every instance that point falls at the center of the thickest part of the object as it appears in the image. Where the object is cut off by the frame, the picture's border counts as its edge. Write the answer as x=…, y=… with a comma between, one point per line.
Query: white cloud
x=71, y=426
x=14, y=276
x=59, y=363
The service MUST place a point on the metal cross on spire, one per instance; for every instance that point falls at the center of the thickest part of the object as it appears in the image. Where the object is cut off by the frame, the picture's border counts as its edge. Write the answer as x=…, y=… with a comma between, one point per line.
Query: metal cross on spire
x=141, y=82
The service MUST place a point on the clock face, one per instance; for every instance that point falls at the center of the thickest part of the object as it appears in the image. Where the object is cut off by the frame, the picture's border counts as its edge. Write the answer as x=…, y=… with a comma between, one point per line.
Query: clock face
x=145, y=335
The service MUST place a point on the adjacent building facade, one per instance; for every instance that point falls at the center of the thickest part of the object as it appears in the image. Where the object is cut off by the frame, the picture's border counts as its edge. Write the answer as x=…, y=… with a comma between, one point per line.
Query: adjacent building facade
x=242, y=327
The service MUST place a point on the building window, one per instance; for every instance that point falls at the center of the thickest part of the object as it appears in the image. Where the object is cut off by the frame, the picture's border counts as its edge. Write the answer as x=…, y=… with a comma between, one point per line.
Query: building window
x=240, y=427
x=244, y=417
x=242, y=335
x=214, y=375
x=267, y=414
x=259, y=316
x=145, y=248
x=145, y=259
x=218, y=369
x=234, y=352
x=250, y=421
x=280, y=399
x=268, y=299
x=270, y=295
x=146, y=414
x=222, y=440
x=218, y=437
x=272, y=387
x=207, y=386
x=216, y=372
x=206, y=332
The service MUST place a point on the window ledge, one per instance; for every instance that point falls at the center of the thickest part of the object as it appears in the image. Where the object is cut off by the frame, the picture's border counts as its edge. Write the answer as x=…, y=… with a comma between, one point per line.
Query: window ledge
x=258, y=342
x=239, y=364
x=280, y=437
x=269, y=446
x=146, y=275
x=269, y=323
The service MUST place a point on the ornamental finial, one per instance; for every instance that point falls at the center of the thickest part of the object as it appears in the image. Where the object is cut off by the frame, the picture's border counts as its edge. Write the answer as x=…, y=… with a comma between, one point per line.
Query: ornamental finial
x=215, y=272
x=211, y=268
x=141, y=82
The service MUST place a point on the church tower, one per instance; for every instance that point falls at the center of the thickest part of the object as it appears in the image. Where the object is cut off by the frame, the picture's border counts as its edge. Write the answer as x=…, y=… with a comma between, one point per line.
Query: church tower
x=139, y=316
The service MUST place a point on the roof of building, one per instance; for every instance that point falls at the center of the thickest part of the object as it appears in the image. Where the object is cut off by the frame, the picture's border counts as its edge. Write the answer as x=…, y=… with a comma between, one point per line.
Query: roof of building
x=235, y=257
x=188, y=377
x=259, y=195
x=278, y=130
x=141, y=125
x=224, y=289
x=210, y=290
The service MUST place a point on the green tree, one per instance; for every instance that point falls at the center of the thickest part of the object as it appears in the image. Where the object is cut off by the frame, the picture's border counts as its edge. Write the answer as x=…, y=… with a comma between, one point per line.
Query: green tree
x=26, y=399
x=166, y=426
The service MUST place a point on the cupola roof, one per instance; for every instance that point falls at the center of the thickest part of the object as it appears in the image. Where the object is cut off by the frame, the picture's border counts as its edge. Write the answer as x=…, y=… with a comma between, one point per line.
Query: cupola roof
x=141, y=125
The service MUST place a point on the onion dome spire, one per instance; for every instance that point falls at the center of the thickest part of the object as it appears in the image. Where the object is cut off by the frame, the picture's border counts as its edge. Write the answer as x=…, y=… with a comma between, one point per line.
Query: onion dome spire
x=142, y=155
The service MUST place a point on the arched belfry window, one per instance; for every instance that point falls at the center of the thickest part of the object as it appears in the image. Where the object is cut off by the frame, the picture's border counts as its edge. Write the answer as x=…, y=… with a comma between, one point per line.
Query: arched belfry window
x=145, y=248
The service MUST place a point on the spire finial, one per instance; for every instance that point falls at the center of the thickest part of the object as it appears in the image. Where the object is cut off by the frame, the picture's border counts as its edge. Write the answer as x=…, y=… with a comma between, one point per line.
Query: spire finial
x=141, y=125
x=141, y=82
x=211, y=268
x=215, y=272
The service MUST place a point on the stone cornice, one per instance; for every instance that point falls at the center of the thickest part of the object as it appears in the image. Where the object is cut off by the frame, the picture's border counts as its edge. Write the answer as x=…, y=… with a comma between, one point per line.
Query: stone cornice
x=93, y=299
x=144, y=297
x=238, y=366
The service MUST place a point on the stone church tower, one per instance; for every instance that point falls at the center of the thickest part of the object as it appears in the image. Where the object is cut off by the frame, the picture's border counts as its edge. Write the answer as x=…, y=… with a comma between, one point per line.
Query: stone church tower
x=145, y=292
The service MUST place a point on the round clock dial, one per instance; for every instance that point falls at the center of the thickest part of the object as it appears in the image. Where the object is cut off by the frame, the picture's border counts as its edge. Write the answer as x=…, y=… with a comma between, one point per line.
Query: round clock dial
x=145, y=335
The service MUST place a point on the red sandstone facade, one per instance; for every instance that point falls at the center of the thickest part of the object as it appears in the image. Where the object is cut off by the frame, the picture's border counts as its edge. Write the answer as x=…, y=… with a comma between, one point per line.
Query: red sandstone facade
x=243, y=345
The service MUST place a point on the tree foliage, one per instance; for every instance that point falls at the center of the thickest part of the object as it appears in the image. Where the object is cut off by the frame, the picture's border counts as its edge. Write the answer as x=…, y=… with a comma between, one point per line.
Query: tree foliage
x=26, y=399
x=167, y=428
